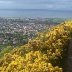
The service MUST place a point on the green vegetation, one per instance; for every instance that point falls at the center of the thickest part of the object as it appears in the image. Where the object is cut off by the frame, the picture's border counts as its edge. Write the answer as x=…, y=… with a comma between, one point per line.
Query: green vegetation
x=5, y=50
x=45, y=53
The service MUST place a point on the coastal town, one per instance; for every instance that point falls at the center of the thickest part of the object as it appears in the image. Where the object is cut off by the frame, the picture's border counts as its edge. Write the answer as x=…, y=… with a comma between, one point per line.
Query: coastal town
x=18, y=31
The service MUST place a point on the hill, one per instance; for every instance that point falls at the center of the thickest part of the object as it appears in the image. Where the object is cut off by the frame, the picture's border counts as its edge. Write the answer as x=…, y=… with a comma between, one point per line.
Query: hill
x=45, y=53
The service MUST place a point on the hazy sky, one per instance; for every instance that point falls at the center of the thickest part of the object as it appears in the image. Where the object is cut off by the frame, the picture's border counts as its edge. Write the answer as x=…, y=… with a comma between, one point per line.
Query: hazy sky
x=36, y=4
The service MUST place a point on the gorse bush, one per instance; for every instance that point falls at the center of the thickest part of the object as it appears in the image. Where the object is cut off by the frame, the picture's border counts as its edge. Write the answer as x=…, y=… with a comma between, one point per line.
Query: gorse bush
x=42, y=54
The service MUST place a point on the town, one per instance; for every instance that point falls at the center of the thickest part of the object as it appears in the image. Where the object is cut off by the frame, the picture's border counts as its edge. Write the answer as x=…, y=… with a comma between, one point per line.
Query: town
x=17, y=31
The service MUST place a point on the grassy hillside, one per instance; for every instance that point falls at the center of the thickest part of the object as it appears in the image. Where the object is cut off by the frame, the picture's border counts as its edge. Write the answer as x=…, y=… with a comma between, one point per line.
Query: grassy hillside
x=45, y=53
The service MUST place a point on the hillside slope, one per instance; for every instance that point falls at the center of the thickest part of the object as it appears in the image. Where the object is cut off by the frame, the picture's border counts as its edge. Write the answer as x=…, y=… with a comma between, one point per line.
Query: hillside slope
x=45, y=53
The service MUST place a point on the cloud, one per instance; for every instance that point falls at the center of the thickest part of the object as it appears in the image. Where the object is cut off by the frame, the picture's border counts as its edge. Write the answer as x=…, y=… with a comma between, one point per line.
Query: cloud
x=58, y=4
x=37, y=4
x=6, y=2
x=50, y=6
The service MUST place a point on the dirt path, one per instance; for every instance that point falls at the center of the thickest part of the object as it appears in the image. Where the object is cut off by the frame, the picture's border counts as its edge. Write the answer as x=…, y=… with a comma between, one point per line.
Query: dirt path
x=68, y=62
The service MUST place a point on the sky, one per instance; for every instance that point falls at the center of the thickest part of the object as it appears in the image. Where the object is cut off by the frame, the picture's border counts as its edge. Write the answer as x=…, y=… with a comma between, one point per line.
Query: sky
x=36, y=4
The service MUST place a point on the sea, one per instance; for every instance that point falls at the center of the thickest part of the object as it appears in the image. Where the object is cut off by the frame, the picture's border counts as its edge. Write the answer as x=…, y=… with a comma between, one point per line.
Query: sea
x=34, y=13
